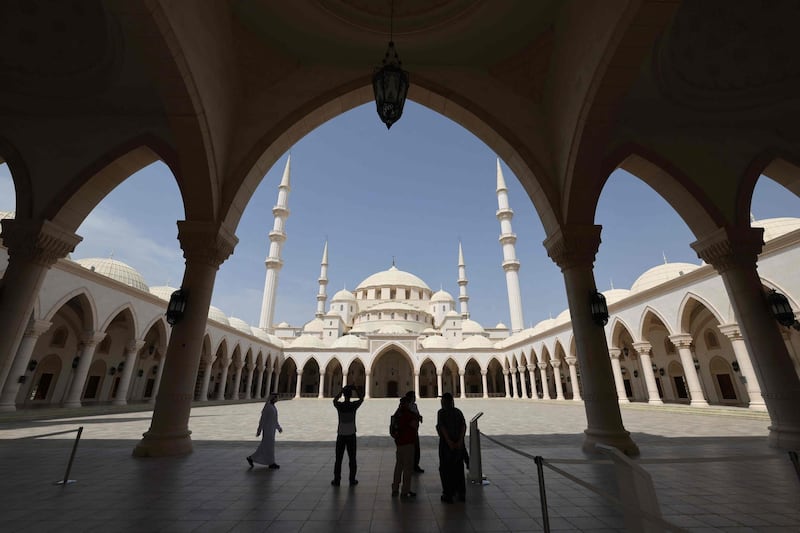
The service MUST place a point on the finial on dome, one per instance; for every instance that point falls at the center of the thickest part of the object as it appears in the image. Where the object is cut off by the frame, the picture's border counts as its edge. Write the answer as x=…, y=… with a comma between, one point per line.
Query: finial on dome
x=612, y=283
x=664, y=255
x=111, y=254
x=393, y=261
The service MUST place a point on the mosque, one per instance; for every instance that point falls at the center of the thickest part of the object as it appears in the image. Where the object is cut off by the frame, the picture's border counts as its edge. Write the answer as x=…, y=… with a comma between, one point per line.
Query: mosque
x=98, y=334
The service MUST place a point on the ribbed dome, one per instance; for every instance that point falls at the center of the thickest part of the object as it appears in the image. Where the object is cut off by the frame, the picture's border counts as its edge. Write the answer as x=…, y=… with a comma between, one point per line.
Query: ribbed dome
x=314, y=326
x=393, y=277
x=563, y=317
x=615, y=295
x=260, y=333
x=283, y=325
x=435, y=341
x=240, y=324
x=442, y=296
x=661, y=274
x=500, y=325
x=307, y=341
x=773, y=227
x=471, y=327
x=163, y=292
x=452, y=314
x=350, y=342
x=215, y=313
x=343, y=295
x=542, y=326
x=475, y=342
x=116, y=270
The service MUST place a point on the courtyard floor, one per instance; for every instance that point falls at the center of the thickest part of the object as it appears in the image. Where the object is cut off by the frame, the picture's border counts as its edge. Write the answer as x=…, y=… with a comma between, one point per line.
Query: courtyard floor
x=711, y=470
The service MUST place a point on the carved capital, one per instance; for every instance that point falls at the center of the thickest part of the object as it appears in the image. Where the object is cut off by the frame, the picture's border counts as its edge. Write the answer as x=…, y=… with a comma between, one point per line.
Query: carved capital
x=133, y=346
x=731, y=331
x=642, y=348
x=36, y=328
x=571, y=360
x=37, y=241
x=573, y=246
x=484, y=373
x=92, y=338
x=614, y=353
x=207, y=243
x=555, y=363
x=727, y=248
x=531, y=368
x=543, y=365
x=681, y=340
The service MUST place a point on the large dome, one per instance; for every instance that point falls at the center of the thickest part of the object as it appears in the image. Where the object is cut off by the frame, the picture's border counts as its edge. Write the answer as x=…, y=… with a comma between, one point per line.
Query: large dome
x=442, y=296
x=215, y=313
x=116, y=270
x=661, y=274
x=775, y=227
x=393, y=277
x=163, y=291
x=240, y=324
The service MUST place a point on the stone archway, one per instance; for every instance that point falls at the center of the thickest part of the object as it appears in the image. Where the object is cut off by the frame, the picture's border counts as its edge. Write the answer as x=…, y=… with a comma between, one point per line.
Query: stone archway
x=392, y=374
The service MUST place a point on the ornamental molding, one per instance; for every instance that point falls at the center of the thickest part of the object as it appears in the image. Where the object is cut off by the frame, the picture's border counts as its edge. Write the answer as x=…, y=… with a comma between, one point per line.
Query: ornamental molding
x=36, y=328
x=574, y=246
x=208, y=243
x=728, y=248
x=681, y=340
x=41, y=242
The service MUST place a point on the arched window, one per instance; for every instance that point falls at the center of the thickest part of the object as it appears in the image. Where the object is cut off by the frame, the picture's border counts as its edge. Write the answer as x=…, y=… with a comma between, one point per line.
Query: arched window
x=60, y=337
x=711, y=340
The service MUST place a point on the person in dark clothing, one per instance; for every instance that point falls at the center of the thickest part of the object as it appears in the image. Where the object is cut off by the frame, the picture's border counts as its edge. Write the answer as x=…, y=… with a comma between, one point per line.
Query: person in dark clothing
x=451, y=427
x=346, y=433
x=405, y=435
x=412, y=406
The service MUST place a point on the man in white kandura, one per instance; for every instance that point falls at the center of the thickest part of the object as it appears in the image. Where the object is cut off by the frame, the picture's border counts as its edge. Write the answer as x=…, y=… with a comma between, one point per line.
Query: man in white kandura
x=265, y=454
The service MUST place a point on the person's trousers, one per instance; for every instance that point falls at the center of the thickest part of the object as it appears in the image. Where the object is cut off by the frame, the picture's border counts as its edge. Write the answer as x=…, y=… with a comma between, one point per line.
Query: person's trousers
x=416, y=452
x=345, y=442
x=451, y=472
x=403, y=466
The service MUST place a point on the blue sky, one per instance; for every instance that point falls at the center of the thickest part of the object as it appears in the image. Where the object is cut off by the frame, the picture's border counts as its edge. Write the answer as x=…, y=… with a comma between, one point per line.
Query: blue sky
x=409, y=193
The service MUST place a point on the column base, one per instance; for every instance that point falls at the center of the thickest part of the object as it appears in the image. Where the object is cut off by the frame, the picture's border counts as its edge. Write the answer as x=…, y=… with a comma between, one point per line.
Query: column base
x=757, y=406
x=623, y=400
x=784, y=438
x=578, y=399
x=698, y=403
x=620, y=440
x=655, y=402
x=164, y=445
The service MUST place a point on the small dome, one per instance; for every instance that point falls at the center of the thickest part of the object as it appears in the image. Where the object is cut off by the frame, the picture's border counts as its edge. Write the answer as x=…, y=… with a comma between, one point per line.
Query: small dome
x=163, y=292
x=435, y=341
x=216, y=314
x=393, y=277
x=283, y=325
x=343, y=295
x=773, y=227
x=392, y=330
x=429, y=331
x=471, y=327
x=307, y=341
x=452, y=314
x=314, y=326
x=500, y=325
x=442, y=296
x=615, y=295
x=563, y=317
x=260, y=333
x=475, y=342
x=240, y=324
x=116, y=270
x=352, y=342
x=661, y=274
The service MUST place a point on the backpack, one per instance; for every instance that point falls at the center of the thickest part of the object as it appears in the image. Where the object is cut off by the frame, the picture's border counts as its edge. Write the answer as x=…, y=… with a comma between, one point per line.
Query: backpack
x=394, y=425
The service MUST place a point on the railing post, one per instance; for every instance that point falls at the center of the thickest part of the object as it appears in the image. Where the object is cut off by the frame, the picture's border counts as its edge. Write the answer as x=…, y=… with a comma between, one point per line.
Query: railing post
x=542, y=494
x=475, y=464
x=67, y=480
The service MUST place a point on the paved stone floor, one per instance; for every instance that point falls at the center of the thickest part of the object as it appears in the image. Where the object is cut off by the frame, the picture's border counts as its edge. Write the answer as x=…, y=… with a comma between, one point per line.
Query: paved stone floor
x=213, y=490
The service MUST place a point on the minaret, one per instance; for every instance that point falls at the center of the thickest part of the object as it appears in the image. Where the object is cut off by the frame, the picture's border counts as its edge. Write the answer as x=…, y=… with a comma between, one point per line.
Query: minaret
x=510, y=262
x=276, y=239
x=322, y=296
x=462, y=283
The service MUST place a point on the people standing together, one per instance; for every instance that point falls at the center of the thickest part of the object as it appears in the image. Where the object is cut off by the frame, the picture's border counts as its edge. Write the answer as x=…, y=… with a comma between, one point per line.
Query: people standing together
x=404, y=429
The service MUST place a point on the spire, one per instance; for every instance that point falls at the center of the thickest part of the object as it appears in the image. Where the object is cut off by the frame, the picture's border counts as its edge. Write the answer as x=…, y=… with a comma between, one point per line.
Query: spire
x=664, y=255
x=460, y=255
x=287, y=171
x=274, y=263
x=501, y=182
x=612, y=283
x=322, y=295
x=462, y=283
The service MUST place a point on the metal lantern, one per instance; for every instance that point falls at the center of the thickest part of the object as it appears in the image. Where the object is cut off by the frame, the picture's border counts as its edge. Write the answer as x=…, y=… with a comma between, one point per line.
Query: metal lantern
x=599, y=309
x=390, y=85
x=781, y=310
x=176, y=306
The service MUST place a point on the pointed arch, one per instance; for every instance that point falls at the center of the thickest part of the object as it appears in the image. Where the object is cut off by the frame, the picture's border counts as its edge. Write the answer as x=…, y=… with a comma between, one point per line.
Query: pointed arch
x=120, y=310
x=646, y=319
x=782, y=169
x=84, y=298
x=618, y=328
x=690, y=299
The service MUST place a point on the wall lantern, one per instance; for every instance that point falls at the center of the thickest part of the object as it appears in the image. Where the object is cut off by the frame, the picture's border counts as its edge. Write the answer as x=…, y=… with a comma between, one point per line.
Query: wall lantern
x=655, y=367
x=696, y=364
x=661, y=371
x=75, y=362
x=735, y=366
x=32, y=365
x=151, y=350
x=390, y=82
x=22, y=379
x=636, y=373
x=176, y=306
x=625, y=351
x=781, y=309
x=140, y=373
x=112, y=371
x=623, y=371
x=155, y=370
x=598, y=307
x=120, y=366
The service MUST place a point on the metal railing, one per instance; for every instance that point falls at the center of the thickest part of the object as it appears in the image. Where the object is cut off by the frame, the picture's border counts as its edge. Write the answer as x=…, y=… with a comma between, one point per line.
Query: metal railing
x=66, y=481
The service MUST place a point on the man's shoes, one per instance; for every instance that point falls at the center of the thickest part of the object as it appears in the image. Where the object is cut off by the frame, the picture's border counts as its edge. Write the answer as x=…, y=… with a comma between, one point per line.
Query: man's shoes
x=395, y=493
x=419, y=470
x=250, y=460
x=335, y=482
x=409, y=494
x=274, y=466
x=446, y=499
x=353, y=482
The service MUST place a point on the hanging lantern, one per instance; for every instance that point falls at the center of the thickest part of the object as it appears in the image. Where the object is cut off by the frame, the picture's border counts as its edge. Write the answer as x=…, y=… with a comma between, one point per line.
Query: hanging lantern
x=598, y=307
x=176, y=306
x=390, y=85
x=781, y=310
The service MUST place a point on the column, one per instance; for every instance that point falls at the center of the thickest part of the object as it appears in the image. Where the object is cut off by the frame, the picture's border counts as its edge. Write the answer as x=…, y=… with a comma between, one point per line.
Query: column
x=226, y=364
x=259, y=382
x=462, y=382
x=321, y=394
x=157, y=383
x=573, y=249
x=545, y=381
x=205, y=246
x=573, y=378
x=514, y=389
x=131, y=349
x=416, y=384
x=344, y=380
x=267, y=389
x=617, y=370
x=557, y=378
x=643, y=349
x=89, y=340
x=733, y=252
x=20, y=365
x=206, y=379
x=299, y=384
x=682, y=342
x=745, y=365
x=249, y=382
x=485, y=384
x=33, y=247
x=532, y=376
x=367, y=384
x=505, y=383
x=439, y=384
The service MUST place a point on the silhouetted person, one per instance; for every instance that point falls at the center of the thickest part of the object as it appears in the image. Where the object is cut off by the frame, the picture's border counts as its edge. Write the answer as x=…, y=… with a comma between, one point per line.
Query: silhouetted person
x=405, y=434
x=451, y=426
x=346, y=433
x=265, y=454
x=412, y=406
